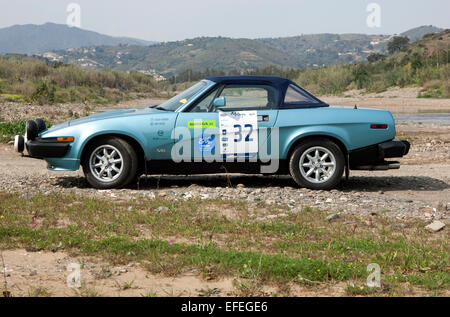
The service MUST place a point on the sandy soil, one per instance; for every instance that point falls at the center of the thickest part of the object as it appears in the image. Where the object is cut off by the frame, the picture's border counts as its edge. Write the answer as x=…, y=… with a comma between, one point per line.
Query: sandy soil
x=396, y=100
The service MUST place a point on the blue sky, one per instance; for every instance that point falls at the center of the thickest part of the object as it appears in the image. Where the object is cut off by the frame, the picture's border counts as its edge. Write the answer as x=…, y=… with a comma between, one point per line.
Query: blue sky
x=180, y=19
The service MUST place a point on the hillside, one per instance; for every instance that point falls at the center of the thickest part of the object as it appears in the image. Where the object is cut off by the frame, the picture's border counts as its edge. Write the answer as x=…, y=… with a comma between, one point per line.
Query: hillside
x=417, y=34
x=32, y=39
x=233, y=55
x=27, y=79
x=227, y=54
x=88, y=49
x=329, y=49
x=424, y=64
x=173, y=57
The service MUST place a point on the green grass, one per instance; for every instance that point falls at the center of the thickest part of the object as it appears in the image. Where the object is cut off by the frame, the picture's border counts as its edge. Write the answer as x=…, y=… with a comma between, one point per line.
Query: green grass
x=26, y=79
x=9, y=129
x=302, y=248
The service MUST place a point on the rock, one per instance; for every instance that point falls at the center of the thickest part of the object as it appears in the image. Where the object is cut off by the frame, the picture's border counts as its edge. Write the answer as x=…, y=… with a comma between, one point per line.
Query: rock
x=333, y=217
x=240, y=186
x=162, y=209
x=427, y=209
x=435, y=226
x=329, y=200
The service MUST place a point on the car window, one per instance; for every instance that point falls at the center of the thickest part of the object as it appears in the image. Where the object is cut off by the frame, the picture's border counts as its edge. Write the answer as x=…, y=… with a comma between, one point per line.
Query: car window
x=184, y=97
x=205, y=103
x=295, y=96
x=249, y=96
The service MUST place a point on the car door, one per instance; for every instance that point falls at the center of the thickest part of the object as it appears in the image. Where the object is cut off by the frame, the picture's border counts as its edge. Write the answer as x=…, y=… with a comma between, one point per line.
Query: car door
x=239, y=129
x=254, y=108
x=196, y=130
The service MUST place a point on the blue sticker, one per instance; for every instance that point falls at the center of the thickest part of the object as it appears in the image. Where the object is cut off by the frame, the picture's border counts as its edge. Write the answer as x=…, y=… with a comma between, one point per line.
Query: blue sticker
x=205, y=143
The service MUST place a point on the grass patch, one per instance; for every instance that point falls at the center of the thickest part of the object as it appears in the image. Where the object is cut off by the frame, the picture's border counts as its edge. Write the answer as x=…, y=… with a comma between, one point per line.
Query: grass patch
x=27, y=79
x=9, y=129
x=302, y=248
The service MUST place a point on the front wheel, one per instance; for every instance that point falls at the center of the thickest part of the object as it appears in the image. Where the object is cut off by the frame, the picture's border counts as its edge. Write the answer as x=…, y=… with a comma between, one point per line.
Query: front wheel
x=317, y=164
x=109, y=162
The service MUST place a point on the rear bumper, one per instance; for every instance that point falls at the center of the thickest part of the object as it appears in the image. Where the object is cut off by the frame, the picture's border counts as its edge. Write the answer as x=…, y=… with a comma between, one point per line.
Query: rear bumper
x=373, y=157
x=40, y=148
x=396, y=148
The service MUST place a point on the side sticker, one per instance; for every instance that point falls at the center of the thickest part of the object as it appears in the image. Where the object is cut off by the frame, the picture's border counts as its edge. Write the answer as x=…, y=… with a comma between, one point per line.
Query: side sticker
x=202, y=124
x=205, y=144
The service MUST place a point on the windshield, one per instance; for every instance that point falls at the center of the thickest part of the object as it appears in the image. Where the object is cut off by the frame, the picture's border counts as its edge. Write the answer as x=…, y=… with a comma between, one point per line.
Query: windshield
x=184, y=97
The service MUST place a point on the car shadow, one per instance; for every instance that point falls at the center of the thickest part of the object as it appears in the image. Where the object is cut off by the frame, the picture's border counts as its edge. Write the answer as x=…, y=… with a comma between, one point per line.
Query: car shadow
x=354, y=183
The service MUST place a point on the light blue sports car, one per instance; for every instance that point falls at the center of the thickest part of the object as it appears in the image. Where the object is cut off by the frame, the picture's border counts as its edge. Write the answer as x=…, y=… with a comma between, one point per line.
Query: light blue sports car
x=227, y=124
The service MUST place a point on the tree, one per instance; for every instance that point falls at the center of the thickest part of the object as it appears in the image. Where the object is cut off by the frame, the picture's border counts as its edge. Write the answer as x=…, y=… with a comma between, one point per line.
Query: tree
x=375, y=57
x=397, y=44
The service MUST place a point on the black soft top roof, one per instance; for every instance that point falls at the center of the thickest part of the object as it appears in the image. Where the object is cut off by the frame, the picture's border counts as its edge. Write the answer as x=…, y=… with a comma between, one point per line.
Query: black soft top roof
x=275, y=80
x=281, y=83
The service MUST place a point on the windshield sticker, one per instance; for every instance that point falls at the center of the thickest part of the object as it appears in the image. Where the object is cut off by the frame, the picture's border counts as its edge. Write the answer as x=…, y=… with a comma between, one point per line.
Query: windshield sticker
x=239, y=133
x=205, y=144
x=183, y=101
x=196, y=124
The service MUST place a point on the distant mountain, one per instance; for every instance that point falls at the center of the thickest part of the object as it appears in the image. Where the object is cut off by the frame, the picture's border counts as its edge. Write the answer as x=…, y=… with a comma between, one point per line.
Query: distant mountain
x=329, y=49
x=416, y=34
x=229, y=54
x=32, y=39
x=93, y=50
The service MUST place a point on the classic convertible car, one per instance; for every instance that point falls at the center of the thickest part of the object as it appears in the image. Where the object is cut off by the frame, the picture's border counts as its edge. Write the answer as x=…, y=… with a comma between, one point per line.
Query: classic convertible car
x=227, y=124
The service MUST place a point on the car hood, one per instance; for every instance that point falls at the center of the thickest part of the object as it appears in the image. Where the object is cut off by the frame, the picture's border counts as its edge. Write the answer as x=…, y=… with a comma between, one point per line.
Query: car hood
x=113, y=114
x=104, y=115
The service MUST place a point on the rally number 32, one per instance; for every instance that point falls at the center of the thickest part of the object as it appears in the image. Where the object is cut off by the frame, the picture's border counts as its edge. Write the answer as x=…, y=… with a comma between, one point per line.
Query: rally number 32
x=238, y=133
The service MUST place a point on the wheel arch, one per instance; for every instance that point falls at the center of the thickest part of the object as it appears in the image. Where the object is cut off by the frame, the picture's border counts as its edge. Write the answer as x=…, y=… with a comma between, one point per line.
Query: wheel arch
x=137, y=146
x=304, y=138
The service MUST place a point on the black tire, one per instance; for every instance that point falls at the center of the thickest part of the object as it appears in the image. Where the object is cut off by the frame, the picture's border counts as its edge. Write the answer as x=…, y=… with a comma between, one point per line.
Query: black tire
x=305, y=147
x=31, y=130
x=128, y=167
x=40, y=125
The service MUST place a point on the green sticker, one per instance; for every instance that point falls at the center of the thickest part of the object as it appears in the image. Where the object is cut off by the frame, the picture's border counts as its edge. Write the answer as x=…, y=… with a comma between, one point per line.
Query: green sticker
x=196, y=124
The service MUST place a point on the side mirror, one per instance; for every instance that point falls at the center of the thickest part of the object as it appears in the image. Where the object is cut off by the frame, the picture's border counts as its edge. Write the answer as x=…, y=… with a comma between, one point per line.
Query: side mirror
x=220, y=102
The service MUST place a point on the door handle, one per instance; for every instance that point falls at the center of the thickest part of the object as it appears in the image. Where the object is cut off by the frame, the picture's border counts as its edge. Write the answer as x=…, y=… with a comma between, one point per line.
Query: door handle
x=263, y=118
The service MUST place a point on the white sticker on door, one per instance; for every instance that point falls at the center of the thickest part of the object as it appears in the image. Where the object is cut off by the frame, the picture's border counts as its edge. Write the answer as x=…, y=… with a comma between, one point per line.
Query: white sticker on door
x=238, y=132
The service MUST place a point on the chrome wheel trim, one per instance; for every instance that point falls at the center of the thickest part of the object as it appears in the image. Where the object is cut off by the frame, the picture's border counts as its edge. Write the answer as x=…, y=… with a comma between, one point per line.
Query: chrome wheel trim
x=106, y=163
x=317, y=164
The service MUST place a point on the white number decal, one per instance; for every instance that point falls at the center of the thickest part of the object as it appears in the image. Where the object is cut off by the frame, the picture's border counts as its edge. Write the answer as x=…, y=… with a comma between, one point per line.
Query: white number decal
x=238, y=132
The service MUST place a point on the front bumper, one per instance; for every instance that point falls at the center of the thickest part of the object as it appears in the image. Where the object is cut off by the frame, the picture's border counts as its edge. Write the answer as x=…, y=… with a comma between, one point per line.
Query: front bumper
x=373, y=157
x=42, y=148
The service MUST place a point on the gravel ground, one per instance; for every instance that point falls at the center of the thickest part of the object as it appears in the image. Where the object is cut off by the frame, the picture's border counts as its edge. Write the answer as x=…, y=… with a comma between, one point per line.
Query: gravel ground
x=419, y=189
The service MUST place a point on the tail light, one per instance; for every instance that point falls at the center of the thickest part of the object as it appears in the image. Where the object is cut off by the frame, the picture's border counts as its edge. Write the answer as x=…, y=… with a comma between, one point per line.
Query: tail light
x=378, y=126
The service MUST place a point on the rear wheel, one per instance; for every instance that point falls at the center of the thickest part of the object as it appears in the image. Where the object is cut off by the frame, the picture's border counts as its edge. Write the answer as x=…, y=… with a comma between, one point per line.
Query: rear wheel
x=109, y=162
x=317, y=164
